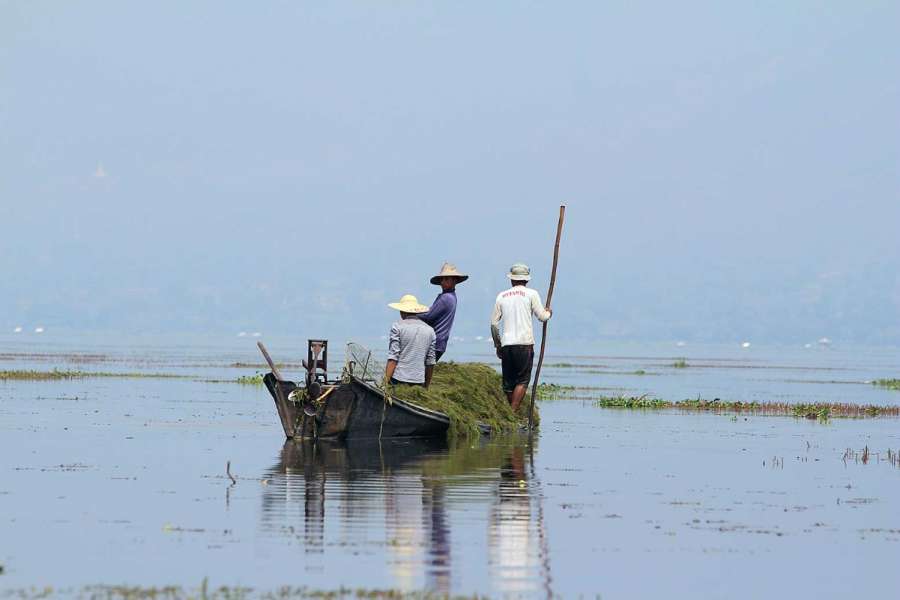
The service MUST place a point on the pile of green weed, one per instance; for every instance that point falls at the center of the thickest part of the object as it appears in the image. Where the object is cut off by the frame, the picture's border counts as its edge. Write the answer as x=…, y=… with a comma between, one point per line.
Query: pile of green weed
x=469, y=394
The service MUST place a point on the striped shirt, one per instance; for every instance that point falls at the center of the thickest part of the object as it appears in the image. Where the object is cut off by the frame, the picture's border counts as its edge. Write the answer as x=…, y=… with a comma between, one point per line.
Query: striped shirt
x=412, y=346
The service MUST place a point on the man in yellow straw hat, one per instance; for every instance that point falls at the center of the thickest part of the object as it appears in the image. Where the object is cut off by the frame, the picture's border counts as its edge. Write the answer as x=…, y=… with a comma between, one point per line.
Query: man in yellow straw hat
x=443, y=309
x=411, y=354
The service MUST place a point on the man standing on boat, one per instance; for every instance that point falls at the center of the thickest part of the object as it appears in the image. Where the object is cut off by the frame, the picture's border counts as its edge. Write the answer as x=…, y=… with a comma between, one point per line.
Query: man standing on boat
x=411, y=354
x=515, y=346
x=443, y=309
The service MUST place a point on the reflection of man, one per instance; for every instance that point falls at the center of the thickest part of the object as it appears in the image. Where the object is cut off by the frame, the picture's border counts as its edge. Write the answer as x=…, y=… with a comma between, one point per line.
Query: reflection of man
x=434, y=518
x=511, y=541
x=443, y=309
x=515, y=346
x=404, y=535
x=411, y=348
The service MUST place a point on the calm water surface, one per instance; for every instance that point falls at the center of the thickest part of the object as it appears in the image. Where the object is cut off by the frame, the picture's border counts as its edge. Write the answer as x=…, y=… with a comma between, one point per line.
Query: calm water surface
x=123, y=481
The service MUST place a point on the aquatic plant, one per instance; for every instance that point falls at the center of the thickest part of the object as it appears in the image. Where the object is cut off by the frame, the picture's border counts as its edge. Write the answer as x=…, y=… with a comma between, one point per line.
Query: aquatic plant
x=206, y=591
x=251, y=379
x=468, y=393
x=640, y=372
x=680, y=364
x=891, y=384
x=821, y=411
x=56, y=374
x=554, y=391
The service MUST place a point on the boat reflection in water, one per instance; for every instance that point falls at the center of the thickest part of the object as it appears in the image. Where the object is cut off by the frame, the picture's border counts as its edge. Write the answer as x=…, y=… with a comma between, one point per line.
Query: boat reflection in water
x=421, y=513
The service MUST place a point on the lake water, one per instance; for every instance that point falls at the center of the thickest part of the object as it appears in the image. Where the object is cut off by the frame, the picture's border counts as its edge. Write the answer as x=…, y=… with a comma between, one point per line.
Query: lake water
x=122, y=480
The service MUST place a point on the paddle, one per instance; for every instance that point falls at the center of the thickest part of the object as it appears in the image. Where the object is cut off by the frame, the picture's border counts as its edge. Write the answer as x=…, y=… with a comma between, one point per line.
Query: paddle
x=537, y=374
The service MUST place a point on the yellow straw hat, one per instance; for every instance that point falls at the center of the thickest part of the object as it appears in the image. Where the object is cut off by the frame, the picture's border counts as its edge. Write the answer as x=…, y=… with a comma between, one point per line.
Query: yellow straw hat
x=409, y=304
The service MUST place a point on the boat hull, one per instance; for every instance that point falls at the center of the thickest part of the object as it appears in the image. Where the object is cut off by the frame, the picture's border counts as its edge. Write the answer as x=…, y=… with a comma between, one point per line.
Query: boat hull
x=354, y=410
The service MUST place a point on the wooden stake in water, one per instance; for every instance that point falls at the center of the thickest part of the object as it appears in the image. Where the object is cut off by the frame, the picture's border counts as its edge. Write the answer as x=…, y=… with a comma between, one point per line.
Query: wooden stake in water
x=537, y=373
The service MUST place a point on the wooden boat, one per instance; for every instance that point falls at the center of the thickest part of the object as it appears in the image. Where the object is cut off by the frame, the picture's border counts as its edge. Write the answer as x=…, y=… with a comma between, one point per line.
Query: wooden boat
x=351, y=407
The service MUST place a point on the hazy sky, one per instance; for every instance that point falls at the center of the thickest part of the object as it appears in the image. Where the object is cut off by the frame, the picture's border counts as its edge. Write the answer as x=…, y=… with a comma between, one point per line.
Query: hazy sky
x=731, y=170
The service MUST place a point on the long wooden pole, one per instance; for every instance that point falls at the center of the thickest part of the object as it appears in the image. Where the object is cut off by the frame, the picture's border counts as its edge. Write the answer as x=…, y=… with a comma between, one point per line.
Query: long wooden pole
x=269, y=360
x=537, y=374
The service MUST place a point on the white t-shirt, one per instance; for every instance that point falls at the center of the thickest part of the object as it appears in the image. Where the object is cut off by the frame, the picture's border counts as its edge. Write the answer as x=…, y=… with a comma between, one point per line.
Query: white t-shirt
x=515, y=307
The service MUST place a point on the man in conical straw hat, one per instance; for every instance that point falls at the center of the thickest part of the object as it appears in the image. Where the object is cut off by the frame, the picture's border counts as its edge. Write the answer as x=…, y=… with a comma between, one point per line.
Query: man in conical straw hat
x=515, y=345
x=411, y=354
x=443, y=309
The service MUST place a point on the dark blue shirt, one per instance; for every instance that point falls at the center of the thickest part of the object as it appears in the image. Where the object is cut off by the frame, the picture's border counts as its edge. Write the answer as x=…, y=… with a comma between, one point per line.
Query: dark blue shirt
x=440, y=317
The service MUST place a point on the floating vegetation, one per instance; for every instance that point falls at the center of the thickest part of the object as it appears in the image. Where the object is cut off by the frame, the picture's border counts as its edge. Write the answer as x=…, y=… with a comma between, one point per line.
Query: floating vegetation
x=468, y=393
x=554, y=391
x=891, y=384
x=680, y=364
x=640, y=372
x=208, y=592
x=821, y=411
x=56, y=374
x=256, y=365
x=251, y=379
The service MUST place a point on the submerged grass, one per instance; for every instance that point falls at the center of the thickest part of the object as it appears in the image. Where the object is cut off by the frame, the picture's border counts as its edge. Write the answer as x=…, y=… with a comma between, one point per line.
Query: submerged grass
x=891, y=384
x=468, y=393
x=821, y=411
x=56, y=374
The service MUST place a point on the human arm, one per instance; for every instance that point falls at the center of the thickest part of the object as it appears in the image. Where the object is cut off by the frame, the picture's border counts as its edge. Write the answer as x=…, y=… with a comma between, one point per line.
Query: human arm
x=430, y=359
x=389, y=370
x=496, y=315
x=393, y=352
x=438, y=309
x=537, y=307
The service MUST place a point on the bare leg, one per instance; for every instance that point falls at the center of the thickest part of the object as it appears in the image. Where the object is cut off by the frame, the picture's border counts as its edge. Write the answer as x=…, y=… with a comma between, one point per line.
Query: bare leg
x=515, y=398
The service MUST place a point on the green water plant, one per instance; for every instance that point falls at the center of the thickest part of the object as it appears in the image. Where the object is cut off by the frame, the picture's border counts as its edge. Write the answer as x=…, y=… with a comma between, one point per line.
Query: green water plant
x=554, y=391
x=256, y=379
x=821, y=411
x=57, y=374
x=891, y=384
x=207, y=591
x=680, y=364
x=468, y=393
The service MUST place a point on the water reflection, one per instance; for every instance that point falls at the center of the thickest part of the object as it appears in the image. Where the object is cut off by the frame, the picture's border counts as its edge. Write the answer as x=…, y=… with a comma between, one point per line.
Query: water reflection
x=423, y=508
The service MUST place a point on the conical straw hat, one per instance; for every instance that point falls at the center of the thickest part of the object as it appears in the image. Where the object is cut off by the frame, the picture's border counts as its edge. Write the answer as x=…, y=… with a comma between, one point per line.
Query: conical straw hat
x=409, y=304
x=448, y=270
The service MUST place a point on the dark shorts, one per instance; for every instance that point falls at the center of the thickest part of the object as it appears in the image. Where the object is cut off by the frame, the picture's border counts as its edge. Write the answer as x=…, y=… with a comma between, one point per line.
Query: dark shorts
x=517, y=362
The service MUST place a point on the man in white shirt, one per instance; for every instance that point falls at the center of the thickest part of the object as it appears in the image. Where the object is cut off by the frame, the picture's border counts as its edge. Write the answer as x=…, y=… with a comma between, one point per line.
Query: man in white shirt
x=515, y=345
